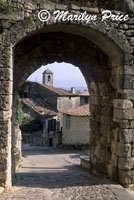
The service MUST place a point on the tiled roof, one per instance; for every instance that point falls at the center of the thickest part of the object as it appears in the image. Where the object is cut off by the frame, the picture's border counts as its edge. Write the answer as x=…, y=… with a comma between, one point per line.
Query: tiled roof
x=86, y=93
x=60, y=91
x=41, y=110
x=79, y=111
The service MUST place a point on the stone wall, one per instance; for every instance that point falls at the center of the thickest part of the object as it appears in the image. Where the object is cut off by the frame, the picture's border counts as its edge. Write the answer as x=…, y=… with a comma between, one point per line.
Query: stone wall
x=75, y=135
x=65, y=103
x=104, y=52
x=16, y=148
x=34, y=138
x=38, y=91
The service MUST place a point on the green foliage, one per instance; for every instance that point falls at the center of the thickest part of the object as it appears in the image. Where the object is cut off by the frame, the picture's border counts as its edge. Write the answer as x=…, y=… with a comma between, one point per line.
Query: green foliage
x=19, y=111
x=30, y=125
x=6, y=6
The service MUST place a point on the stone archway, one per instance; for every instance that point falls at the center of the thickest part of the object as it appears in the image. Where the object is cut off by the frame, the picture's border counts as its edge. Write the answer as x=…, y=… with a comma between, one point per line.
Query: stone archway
x=102, y=57
x=47, y=47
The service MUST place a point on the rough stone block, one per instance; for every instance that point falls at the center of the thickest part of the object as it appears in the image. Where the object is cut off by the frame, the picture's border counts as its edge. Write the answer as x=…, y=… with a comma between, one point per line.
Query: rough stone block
x=125, y=125
x=126, y=136
x=112, y=172
x=129, y=94
x=5, y=102
x=107, y=111
x=5, y=115
x=114, y=160
x=47, y=6
x=5, y=74
x=75, y=7
x=132, y=150
x=103, y=141
x=119, y=114
x=61, y=7
x=128, y=69
x=96, y=100
x=90, y=10
x=117, y=81
x=125, y=177
x=126, y=163
x=131, y=40
x=115, y=134
x=29, y=6
x=105, y=129
x=132, y=124
x=117, y=70
x=5, y=87
x=3, y=142
x=106, y=120
x=114, y=147
x=123, y=150
x=128, y=60
x=5, y=128
x=122, y=103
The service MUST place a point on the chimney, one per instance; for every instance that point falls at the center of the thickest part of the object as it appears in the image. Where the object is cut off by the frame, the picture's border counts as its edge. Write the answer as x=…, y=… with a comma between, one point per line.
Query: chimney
x=73, y=90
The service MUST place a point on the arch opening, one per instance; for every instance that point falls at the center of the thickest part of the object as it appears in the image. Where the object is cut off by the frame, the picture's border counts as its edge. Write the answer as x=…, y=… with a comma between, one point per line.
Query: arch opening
x=61, y=95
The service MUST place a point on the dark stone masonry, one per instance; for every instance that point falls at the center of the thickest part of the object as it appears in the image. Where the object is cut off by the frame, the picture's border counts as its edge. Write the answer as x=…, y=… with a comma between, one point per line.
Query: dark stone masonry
x=104, y=52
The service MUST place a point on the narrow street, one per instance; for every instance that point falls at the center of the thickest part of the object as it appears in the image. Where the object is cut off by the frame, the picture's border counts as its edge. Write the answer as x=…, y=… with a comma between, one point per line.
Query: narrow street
x=47, y=175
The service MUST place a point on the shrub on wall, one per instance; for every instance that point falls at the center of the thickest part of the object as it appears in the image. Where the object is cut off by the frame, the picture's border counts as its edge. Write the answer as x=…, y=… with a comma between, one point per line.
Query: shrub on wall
x=6, y=6
x=31, y=125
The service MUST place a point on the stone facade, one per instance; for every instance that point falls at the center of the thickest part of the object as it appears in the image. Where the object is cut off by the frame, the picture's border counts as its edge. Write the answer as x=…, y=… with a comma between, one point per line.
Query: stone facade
x=76, y=128
x=55, y=98
x=39, y=98
x=104, y=52
x=65, y=103
x=42, y=129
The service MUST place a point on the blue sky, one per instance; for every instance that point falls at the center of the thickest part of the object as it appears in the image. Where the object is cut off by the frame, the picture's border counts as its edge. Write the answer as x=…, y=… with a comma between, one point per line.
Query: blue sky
x=65, y=75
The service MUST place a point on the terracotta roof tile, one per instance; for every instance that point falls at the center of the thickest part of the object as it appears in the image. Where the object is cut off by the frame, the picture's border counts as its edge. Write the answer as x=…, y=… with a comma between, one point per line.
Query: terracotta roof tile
x=78, y=111
x=60, y=91
x=86, y=93
x=41, y=110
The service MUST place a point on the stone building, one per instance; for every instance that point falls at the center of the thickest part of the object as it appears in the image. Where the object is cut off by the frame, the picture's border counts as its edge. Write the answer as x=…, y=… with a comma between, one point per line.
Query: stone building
x=76, y=128
x=58, y=99
x=48, y=99
x=48, y=132
x=103, y=51
x=44, y=99
x=84, y=98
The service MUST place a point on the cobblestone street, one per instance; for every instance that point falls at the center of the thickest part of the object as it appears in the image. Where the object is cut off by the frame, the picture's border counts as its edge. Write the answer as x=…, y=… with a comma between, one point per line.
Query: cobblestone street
x=46, y=175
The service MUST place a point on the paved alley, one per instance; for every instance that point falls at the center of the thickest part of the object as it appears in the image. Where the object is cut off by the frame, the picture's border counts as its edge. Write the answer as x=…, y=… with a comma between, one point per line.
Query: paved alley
x=46, y=174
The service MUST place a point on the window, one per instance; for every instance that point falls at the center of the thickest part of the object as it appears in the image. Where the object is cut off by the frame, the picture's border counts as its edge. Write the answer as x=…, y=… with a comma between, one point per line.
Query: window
x=85, y=99
x=52, y=125
x=50, y=142
x=49, y=78
x=67, y=121
x=25, y=94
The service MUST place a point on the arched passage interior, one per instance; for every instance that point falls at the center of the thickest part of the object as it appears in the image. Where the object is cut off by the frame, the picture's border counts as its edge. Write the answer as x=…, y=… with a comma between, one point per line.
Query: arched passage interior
x=96, y=57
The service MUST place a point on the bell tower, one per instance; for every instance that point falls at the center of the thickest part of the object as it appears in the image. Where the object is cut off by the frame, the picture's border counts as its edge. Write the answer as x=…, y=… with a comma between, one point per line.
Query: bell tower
x=48, y=77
